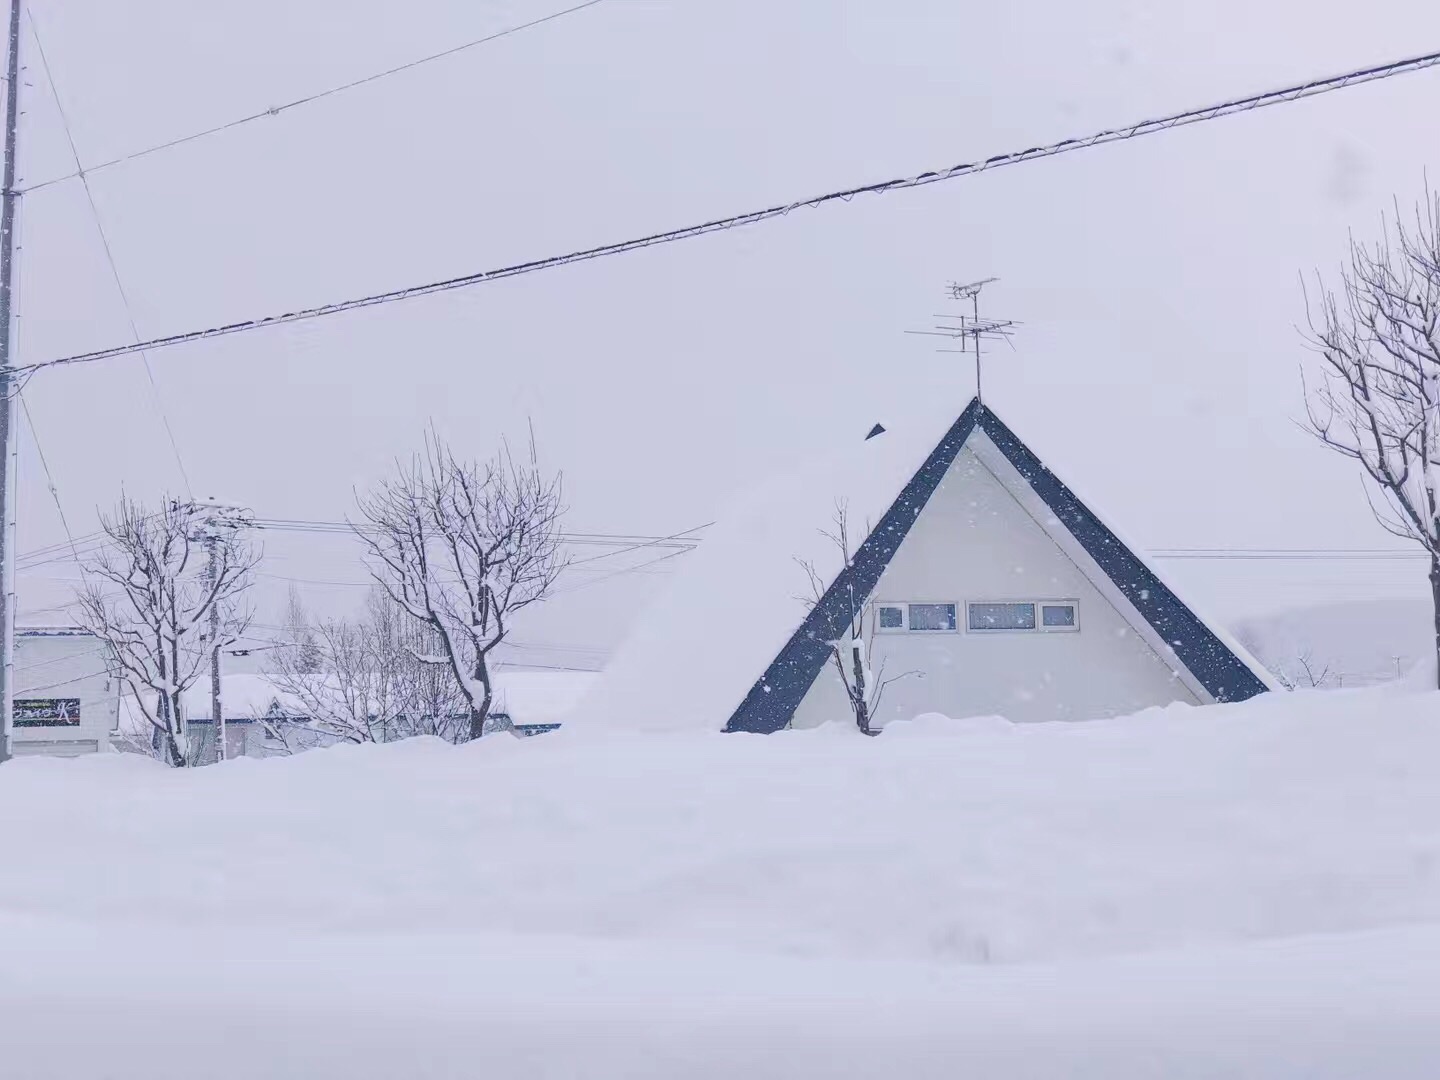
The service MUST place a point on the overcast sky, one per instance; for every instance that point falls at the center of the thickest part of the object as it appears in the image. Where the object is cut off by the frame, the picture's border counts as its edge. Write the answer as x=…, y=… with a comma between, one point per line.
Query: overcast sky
x=1158, y=280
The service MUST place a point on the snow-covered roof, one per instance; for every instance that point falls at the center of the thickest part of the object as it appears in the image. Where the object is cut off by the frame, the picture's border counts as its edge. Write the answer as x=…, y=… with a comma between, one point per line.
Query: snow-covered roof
x=530, y=697
x=737, y=598
x=540, y=697
x=736, y=641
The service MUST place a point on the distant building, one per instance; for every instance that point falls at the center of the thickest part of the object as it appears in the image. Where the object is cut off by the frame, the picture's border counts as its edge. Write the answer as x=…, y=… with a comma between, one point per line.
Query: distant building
x=66, y=700
x=257, y=712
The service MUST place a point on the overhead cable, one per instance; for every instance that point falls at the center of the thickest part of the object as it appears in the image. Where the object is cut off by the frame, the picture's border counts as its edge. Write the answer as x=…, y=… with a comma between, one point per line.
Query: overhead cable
x=109, y=256
x=1015, y=157
x=276, y=110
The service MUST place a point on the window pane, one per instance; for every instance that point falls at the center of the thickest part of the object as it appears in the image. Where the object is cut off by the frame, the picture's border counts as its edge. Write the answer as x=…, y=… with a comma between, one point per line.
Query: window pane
x=1058, y=614
x=932, y=616
x=892, y=618
x=1002, y=616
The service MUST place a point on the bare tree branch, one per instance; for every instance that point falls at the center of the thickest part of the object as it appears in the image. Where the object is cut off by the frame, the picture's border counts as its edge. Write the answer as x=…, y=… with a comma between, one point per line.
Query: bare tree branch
x=850, y=655
x=150, y=601
x=462, y=548
x=1377, y=399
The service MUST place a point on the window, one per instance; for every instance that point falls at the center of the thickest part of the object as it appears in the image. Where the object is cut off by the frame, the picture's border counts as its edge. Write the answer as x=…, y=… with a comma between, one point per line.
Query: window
x=1057, y=616
x=1020, y=616
x=916, y=618
x=47, y=712
x=932, y=616
x=891, y=617
x=1043, y=616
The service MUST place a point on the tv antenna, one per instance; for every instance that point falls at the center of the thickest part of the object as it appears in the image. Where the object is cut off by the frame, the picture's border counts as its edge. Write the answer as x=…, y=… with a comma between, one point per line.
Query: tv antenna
x=969, y=327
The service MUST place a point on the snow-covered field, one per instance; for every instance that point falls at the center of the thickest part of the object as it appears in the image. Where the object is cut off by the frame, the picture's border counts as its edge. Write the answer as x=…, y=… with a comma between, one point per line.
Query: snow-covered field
x=1249, y=890
x=1344, y=644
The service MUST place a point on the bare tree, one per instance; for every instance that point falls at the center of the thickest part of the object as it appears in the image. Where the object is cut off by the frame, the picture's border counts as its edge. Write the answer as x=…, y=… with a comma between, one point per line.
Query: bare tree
x=431, y=700
x=341, y=683
x=1377, y=401
x=366, y=683
x=462, y=547
x=850, y=653
x=1306, y=672
x=150, y=598
x=305, y=652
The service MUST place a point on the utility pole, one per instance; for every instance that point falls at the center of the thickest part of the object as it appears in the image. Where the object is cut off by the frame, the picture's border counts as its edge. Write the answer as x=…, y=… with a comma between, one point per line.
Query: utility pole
x=8, y=211
x=231, y=519
x=217, y=711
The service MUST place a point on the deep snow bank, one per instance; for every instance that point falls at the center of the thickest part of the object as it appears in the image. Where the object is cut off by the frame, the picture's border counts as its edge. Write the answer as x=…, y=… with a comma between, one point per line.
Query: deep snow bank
x=90, y=1001
x=932, y=903
x=956, y=842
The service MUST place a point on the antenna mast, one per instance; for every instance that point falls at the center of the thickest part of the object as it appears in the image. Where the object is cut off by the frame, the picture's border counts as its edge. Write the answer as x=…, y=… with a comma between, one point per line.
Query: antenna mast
x=970, y=326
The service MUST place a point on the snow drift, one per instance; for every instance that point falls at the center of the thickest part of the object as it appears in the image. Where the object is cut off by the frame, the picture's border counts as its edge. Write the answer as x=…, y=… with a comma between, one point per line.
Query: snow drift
x=1241, y=890
x=958, y=842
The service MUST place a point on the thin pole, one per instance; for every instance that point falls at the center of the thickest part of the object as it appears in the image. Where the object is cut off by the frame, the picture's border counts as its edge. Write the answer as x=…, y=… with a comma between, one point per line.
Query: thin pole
x=217, y=711
x=9, y=205
x=975, y=299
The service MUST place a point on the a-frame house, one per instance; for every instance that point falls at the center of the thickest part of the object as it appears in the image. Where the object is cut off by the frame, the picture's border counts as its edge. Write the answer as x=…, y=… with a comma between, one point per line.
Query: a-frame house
x=988, y=587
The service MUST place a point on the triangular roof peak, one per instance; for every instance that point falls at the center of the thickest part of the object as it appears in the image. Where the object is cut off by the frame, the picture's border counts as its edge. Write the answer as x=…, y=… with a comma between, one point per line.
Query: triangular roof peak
x=1215, y=665
x=733, y=643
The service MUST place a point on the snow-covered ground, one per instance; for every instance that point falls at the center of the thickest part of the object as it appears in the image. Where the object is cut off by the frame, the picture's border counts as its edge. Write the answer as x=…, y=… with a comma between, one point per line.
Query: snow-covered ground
x=1249, y=890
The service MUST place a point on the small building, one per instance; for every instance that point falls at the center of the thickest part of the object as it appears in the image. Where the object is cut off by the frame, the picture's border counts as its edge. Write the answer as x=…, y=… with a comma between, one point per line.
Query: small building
x=980, y=584
x=66, y=701
x=262, y=719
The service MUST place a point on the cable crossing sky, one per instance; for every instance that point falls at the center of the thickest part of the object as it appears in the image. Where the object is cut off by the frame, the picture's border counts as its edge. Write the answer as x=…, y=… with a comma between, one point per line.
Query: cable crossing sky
x=275, y=110
x=1287, y=94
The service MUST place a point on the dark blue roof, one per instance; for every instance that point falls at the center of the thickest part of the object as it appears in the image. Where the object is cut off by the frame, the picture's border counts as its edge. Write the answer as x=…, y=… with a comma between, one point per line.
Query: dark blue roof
x=776, y=695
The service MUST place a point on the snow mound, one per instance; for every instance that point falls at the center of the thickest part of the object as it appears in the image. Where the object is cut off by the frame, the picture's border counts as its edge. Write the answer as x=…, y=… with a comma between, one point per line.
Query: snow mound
x=933, y=724
x=735, y=601
x=940, y=841
x=1240, y=890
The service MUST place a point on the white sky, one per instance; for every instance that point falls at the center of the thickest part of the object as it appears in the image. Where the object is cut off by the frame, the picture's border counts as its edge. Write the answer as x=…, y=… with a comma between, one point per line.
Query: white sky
x=1158, y=280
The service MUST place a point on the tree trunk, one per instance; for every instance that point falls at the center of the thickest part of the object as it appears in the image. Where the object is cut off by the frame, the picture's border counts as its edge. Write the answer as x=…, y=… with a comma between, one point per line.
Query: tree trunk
x=174, y=756
x=166, y=745
x=1435, y=599
x=862, y=703
x=480, y=711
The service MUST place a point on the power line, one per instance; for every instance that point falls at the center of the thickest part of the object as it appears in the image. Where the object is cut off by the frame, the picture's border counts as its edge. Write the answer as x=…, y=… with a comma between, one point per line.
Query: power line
x=64, y=658
x=659, y=541
x=641, y=568
x=346, y=528
x=109, y=254
x=49, y=548
x=89, y=543
x=275, y=110
x=62, y=557
x=1293, y=554
x=50, y=482
x=65, y=682
x=522, y=666
x=1014, y=157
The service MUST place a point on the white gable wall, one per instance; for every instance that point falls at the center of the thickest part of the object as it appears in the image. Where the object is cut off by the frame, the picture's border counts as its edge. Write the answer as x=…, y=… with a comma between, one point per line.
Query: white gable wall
x=68, y=666
x=975, y=542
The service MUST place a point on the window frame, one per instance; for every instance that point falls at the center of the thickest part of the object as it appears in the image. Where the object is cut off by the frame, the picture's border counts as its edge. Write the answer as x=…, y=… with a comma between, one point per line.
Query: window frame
x=1001, y=629
x=954, y=611
x=1073, y=605
x=903, y=628
x=1038, y=628
x=962, y=616
x=904, y=608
